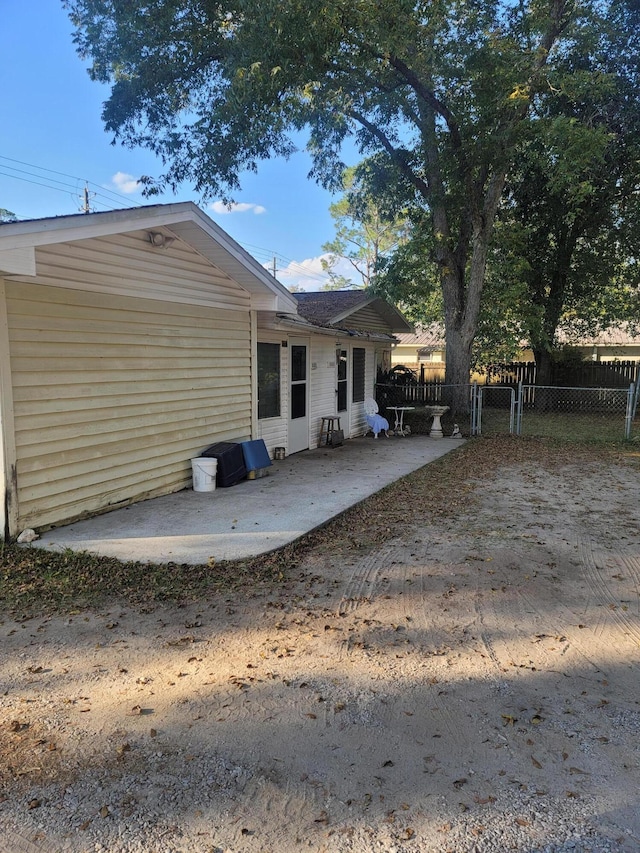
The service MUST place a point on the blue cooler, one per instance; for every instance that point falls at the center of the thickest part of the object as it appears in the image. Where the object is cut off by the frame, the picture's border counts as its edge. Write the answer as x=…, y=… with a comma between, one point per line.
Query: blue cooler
x=256, y=458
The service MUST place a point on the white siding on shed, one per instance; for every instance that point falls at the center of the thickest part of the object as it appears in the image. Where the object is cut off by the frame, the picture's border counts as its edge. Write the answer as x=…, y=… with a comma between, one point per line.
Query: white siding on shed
x=113, y=395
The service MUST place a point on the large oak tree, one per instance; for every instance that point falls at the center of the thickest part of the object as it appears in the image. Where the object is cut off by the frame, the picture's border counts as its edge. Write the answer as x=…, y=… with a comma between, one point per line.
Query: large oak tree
x=437, y=87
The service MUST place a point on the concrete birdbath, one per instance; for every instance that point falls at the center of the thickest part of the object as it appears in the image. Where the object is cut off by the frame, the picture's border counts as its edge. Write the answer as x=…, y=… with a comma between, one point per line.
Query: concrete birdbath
x=436, y=427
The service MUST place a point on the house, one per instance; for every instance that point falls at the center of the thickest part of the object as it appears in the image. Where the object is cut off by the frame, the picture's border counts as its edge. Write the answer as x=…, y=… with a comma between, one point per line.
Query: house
x=331, y=346
x=424, y=351
x=616, y=343
x=133, y=339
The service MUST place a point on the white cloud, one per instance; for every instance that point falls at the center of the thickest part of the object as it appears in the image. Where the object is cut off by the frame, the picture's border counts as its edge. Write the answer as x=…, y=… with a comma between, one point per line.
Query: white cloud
x=125, y=183
x=240, y=207
x=308, y=274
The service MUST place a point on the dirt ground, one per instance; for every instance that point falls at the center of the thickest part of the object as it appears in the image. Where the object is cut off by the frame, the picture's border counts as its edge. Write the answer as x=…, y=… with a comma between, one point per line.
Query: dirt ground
x=469, y=685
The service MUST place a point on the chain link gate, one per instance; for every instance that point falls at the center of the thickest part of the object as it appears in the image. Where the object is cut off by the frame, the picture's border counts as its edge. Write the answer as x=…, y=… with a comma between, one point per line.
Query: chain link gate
x=603, y=414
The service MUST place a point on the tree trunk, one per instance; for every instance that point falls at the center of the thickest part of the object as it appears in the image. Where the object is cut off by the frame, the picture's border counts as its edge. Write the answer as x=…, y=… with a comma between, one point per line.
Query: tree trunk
x=462, y=289
x=458, y=370
x=543, y=366
x=543, y=378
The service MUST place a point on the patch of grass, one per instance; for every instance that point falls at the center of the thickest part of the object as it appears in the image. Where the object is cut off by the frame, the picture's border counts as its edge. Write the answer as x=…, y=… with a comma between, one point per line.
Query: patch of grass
x=34, y=581
x=559, y=426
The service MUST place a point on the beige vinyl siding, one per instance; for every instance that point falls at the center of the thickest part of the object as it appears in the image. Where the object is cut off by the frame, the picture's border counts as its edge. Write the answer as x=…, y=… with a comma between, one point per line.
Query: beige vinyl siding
x=113, y=395
x=127, y=265
x=367, y=318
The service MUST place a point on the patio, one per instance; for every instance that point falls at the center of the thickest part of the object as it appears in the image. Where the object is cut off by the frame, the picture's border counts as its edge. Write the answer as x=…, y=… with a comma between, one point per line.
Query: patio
x=301, y=493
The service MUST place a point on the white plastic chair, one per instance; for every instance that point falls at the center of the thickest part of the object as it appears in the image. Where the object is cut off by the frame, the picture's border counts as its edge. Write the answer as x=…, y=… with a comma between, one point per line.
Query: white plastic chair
x=375, y=421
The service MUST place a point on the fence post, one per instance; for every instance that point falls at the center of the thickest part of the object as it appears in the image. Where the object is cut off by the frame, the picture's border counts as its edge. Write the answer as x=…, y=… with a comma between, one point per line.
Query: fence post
x=631, y=401
x=512, y=411
x=474, y=409
x=519, y=409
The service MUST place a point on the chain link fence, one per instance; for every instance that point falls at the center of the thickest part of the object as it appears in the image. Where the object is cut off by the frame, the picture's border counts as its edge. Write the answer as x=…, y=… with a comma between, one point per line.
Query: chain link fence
x=574, y=414
x=417, y=399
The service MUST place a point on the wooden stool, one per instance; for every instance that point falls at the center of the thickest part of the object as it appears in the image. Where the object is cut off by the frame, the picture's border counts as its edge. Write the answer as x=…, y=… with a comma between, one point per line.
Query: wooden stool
x=327, y=428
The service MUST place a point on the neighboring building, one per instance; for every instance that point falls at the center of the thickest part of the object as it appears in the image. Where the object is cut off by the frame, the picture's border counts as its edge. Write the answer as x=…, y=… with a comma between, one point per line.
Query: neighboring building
x=424, y=350
x=131, y=340
x=617, y=343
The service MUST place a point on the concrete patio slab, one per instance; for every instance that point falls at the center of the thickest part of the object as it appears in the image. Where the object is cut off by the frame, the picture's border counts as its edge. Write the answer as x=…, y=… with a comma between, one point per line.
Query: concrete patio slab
x=301, y=493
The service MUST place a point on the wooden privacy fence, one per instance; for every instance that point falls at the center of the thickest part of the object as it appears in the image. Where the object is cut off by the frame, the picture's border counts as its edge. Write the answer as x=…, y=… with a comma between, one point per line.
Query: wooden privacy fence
x=586, y=374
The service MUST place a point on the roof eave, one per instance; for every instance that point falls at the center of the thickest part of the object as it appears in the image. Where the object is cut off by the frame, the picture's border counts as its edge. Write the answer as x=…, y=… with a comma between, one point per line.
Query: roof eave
x=18, y=241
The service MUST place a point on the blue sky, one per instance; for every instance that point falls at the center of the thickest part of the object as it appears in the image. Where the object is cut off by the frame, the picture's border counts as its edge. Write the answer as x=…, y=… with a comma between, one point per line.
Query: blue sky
x=52, y=141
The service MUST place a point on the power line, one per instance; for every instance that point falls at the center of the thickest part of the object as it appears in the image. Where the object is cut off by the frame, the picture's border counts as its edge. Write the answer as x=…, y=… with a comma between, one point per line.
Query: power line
x=107, y=199
x=111, y=197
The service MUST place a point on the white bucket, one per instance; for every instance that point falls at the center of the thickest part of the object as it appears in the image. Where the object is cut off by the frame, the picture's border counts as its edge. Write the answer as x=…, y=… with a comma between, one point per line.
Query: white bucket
x=204, y=470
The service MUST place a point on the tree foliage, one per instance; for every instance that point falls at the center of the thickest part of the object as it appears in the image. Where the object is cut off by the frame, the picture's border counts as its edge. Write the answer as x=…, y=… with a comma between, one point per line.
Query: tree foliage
x=365, y=233
x=436, y=90
x=569, y=222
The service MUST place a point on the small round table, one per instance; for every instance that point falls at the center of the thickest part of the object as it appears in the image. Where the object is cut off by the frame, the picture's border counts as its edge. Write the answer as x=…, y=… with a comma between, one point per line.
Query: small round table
x=398, y=427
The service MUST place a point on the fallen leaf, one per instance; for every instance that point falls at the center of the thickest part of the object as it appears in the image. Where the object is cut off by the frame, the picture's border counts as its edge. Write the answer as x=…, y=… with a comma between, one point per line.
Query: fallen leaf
x=521, y=821
x=104, y=811
x=536, y=763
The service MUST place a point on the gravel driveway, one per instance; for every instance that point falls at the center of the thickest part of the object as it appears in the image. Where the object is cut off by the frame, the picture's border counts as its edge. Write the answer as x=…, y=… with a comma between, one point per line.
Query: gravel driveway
x=466, y=682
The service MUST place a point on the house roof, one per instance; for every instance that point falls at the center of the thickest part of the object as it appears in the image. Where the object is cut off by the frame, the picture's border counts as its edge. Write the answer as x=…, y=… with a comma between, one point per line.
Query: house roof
x=614, y=336
x=184, y=221
x=427, y=338
x=350, y=310
x=432, y=337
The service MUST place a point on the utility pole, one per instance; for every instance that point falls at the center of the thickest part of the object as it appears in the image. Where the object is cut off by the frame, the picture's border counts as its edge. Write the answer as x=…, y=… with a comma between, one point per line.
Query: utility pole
x=274, y=267
x=86, y=206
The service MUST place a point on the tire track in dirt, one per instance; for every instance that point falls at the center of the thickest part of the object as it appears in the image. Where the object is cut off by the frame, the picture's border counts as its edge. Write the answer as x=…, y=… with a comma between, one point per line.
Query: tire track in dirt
x=363, y=581
x=610, y=610
x=392, y=628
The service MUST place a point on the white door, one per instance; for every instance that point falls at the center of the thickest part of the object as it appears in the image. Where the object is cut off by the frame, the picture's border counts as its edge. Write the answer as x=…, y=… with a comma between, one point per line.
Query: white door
x=298, y=395
x=342, y=388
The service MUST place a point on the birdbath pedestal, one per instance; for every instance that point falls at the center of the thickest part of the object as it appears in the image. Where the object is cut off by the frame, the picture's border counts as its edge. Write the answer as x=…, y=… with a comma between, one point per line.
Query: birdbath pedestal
x=436, y=426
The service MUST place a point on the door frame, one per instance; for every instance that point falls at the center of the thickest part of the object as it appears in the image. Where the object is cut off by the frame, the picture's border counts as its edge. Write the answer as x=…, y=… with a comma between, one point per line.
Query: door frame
x=298, y=428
